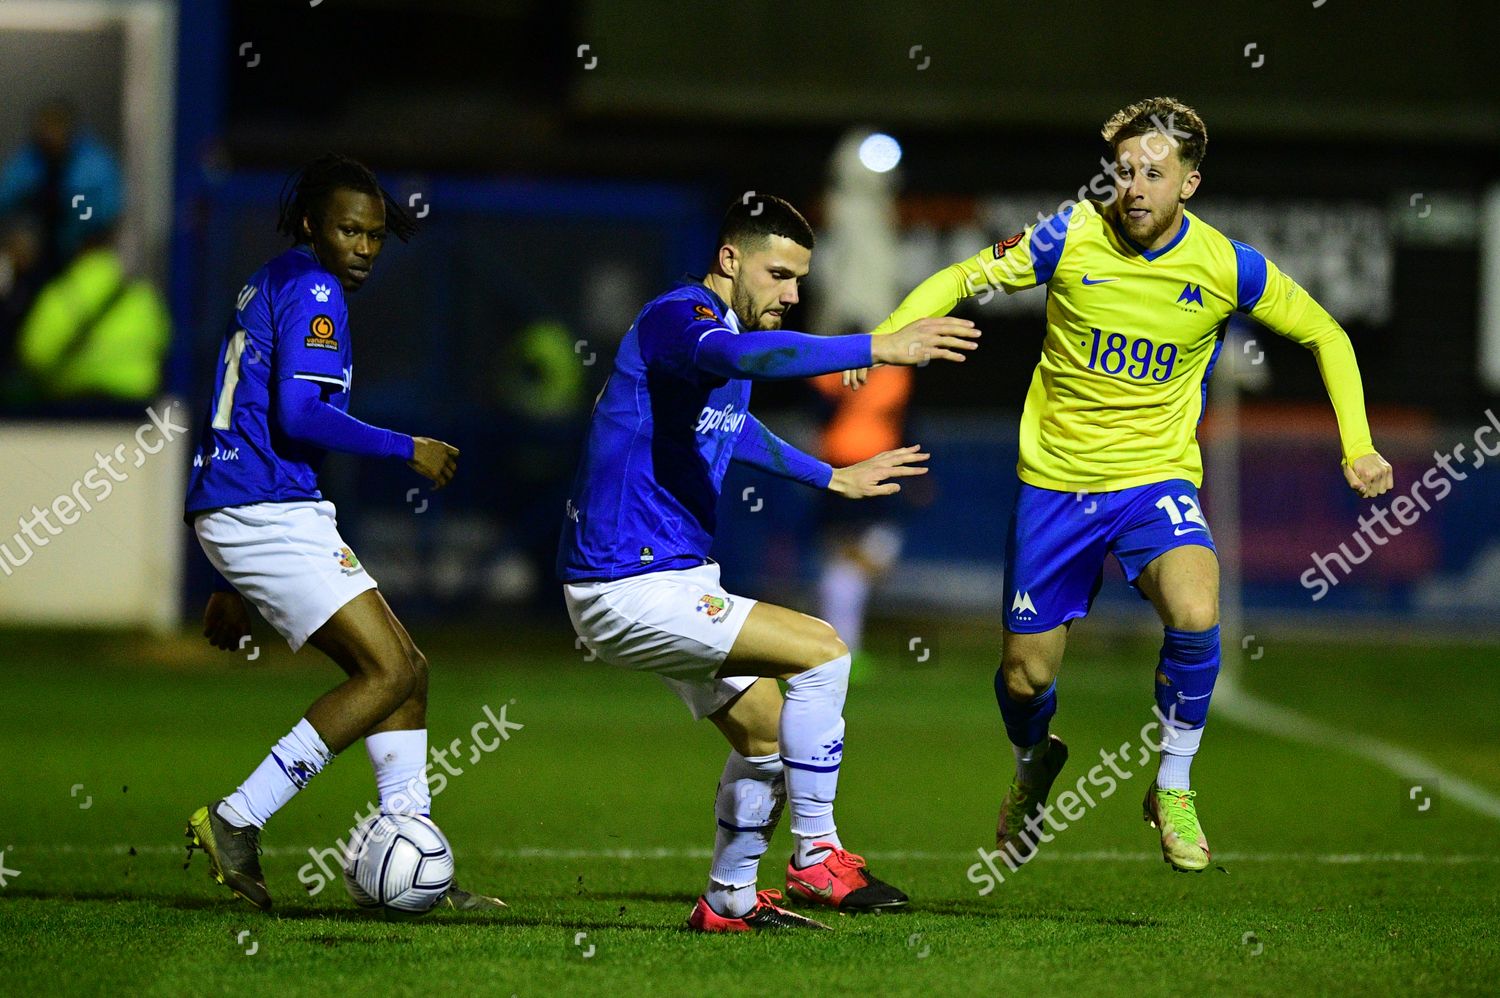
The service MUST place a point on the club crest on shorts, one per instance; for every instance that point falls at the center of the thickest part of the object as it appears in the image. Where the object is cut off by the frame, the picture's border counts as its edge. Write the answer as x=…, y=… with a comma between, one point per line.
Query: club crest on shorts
x=347, y=561
x=715, y=607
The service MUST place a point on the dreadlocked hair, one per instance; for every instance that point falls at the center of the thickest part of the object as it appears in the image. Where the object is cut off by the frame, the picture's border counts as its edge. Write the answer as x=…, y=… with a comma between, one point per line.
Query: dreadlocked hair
x=305, y=193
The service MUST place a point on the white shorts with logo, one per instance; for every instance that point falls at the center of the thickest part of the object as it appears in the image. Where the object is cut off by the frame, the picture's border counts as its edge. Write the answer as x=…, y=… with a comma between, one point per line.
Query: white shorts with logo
x=679, y=625
x=287, y=559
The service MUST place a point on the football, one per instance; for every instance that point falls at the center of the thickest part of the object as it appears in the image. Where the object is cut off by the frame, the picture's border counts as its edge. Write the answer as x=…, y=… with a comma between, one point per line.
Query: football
x=399, y=862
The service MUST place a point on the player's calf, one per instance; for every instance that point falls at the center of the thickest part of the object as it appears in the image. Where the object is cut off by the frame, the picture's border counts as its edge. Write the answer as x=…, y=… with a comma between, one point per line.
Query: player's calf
x=1026, y=693
x=781, y=643
x=747, y=808
x=1185, y=677
x=812, y=751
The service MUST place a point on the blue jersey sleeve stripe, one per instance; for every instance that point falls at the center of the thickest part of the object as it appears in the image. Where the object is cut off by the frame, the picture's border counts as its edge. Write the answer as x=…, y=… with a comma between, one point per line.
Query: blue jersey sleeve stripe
x=1047, y=239
x=1252, y=275
x=1208, y=373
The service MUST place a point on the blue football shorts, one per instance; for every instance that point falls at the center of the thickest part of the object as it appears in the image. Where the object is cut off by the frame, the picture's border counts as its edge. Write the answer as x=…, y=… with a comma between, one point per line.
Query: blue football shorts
x=1055, y=549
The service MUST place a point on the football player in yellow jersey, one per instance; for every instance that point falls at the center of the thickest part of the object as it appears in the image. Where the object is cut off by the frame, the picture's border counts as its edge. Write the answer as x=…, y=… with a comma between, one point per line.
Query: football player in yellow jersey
x=1139, y=291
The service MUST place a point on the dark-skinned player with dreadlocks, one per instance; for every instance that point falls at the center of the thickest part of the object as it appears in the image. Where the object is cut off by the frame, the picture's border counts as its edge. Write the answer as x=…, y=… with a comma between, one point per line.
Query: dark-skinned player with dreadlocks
x=280, y=403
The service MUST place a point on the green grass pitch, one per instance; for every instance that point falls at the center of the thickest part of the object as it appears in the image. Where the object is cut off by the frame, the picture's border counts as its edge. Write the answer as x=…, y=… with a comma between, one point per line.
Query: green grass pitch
x=594, y=821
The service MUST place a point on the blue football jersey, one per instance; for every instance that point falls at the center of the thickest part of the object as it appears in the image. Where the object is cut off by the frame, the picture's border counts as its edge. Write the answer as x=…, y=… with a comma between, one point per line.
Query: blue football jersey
x=660, y=440
x=290, y=321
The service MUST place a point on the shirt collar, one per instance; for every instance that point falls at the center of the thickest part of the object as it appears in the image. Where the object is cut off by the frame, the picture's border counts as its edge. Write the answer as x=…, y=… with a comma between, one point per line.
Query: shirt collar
x=730, y=318
x=1150, y=254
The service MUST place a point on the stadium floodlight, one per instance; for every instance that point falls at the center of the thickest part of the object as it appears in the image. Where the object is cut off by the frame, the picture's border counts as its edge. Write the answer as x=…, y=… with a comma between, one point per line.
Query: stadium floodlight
x=879, y=152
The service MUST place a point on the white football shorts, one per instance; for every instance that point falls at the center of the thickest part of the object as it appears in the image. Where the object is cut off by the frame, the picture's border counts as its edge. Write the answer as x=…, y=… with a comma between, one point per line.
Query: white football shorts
x=679, y=625
x=287, y=559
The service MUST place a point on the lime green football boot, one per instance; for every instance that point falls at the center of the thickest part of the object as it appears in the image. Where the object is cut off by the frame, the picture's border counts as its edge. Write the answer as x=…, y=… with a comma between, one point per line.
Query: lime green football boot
x=233, y=854
x=1183, y=843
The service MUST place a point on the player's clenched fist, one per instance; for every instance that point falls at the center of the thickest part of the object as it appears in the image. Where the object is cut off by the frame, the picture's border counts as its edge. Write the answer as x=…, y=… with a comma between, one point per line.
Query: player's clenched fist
x=868, y=477
x=1369, y=475
x=434, y=459
x=226, y=621
x=941, y=338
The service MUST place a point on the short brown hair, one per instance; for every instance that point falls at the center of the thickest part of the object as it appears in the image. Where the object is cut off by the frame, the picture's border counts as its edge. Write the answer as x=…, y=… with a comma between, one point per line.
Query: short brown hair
x=1167, y=116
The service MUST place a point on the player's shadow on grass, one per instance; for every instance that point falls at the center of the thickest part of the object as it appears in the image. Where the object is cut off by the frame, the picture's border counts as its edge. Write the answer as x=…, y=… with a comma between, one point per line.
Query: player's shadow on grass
x=992, y=908
x=664, y=897
x=193, y=904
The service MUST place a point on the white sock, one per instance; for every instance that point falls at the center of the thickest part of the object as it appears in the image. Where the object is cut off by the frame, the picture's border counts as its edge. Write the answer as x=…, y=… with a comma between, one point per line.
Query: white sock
x=297, y=758
x=1029, y=760
x=751, y=794
x=812, y=748
x=399, y=759
x=843, y=591
x=1176, y=763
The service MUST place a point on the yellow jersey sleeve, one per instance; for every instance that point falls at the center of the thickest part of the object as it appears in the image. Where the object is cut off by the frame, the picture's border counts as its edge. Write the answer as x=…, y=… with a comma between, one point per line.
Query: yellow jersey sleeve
x=1289, y=311
x=1023, y=261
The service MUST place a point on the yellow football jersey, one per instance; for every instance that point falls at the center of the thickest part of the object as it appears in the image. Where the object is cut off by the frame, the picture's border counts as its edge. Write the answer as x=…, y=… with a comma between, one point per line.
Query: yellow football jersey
x=1132, y=335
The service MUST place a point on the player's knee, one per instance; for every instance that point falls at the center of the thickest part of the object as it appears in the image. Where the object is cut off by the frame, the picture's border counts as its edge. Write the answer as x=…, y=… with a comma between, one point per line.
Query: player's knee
x=1022, y=688
x=1195, y=614
x=419, y=670
x=823, y=645
x=1026, y=676
x=397, y=679
x=755, y=745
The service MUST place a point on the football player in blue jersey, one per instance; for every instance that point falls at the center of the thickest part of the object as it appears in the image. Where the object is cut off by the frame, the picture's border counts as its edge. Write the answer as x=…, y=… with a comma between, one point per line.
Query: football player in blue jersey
x=644, y=594
x=281, y=401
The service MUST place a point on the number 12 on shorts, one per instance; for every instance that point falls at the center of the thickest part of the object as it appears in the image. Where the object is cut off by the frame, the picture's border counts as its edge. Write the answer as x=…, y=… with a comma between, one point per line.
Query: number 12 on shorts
x=1190, y=513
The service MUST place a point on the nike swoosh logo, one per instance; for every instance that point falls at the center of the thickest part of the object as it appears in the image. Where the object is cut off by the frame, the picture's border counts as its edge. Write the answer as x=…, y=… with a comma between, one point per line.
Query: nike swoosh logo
x=1185, y=530
x=826, y=893
x=1100, y=280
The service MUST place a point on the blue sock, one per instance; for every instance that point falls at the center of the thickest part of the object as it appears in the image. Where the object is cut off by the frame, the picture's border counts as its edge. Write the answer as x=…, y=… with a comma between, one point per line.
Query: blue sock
x=1184, y=685
x=1185, y=675
x=1025, y=722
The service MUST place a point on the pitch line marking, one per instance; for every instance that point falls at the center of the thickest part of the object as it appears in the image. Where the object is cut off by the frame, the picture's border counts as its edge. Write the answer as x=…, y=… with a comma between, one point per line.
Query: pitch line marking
x=1250, y=711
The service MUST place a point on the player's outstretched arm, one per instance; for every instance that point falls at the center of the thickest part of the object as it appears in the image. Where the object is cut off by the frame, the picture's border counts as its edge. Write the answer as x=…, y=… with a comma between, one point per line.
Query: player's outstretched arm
x=302, y=415
x=776, y=354
x=924, y=340
x=759, y=448
x=1006, y=266
x=871, y=477
x=1282, y=305
x=780, y=354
